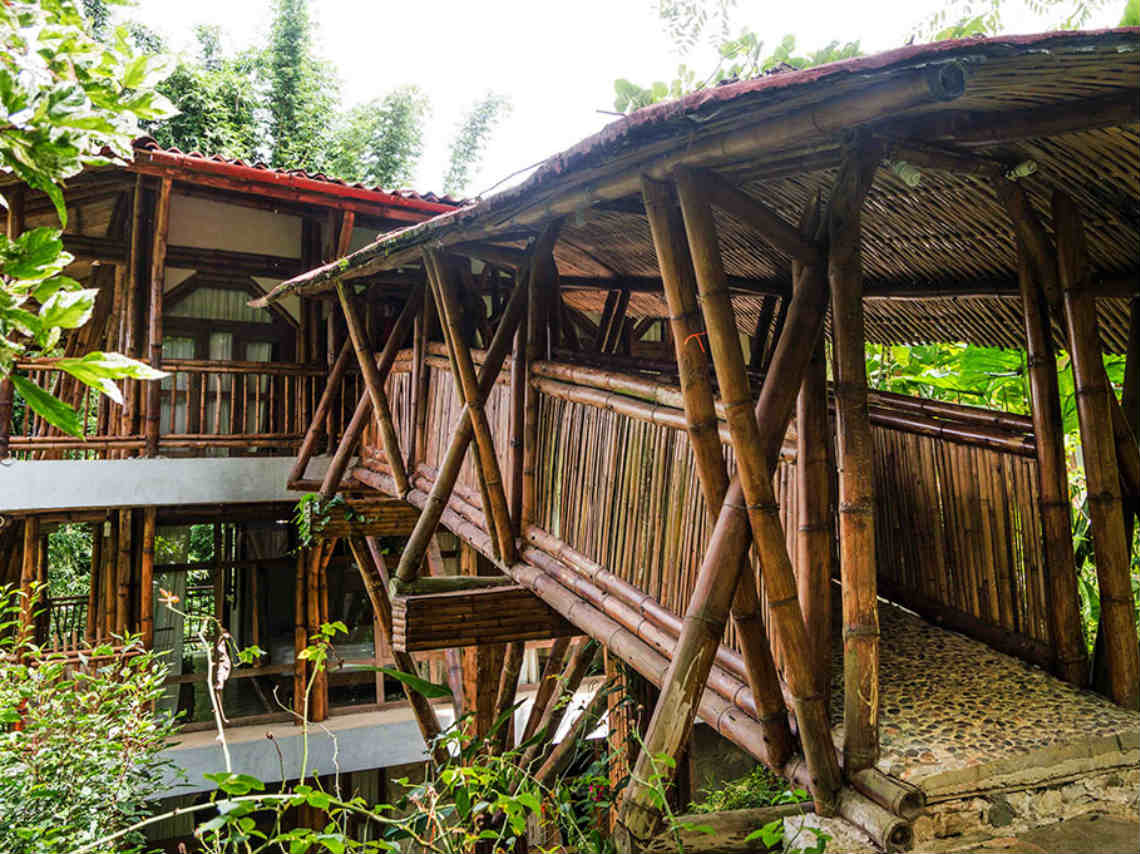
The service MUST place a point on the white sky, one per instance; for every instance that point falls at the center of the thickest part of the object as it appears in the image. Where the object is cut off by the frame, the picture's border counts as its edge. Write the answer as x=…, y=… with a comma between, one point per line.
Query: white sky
x=557, y=61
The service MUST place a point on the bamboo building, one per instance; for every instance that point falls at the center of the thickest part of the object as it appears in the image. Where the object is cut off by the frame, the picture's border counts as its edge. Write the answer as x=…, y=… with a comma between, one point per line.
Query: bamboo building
x=633, y=389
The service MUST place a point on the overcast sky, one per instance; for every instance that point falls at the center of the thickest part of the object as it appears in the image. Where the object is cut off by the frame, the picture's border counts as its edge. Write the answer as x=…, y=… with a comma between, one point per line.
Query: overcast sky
x=556, y=61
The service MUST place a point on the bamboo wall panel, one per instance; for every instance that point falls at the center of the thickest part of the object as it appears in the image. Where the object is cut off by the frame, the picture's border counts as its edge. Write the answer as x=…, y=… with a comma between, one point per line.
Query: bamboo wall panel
x=958, y=524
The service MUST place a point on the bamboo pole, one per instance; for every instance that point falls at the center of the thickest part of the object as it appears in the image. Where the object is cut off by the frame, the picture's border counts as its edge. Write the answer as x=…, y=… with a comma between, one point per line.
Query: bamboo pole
x=729, y=540
x=519, y=372
x=815, y=531
x=300, y=635
x=1065, y=625
x=94, y=589
x=146, y=577
x=546, y=685
x=855, y=457
x=679, y=280
x=29, y=572
x=418, y=542
x=581, y=657
x=542, y=274
x=366, y=406
x=1099, y=447
x=508, y=688
x=563, y=752
x=157, y=284
x=473, y=397
x=374, y=382
x=324, y=409
x=123, y=574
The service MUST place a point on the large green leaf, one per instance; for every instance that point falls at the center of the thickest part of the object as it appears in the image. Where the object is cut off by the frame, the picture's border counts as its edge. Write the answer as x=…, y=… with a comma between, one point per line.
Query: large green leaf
x=68, y=309
x=420, y=686
x=53, y=410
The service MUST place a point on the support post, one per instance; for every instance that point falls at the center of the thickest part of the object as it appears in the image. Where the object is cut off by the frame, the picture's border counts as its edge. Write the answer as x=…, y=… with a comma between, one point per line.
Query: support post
x=418, y=543
x=467, y=383
x=679, y=281
x=157, y=282
x=94, y=589
x=123, y=574
x=546, y=685
x=1098, y=444
x=374, y=382
x=324, y=408
x=1053, y=481
x=508, y=689
x=855, y=457
x=482, y=664
x=146, y=578
x=519, y=373
x=14, y=227
x=29, y=572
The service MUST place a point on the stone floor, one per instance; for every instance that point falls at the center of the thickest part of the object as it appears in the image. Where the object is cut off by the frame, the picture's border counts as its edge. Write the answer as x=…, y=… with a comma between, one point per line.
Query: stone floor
x=957, y=717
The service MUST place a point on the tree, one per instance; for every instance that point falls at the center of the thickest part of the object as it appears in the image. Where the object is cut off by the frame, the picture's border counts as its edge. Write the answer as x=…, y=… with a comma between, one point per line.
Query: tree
x=303, y=91
x=965, y=18
x=65, y=98
x=381, y=142
x=470, y=142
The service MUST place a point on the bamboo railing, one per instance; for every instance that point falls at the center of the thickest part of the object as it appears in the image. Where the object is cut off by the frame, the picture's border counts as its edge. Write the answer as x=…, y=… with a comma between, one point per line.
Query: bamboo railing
x=958, y=530
x=204, y=405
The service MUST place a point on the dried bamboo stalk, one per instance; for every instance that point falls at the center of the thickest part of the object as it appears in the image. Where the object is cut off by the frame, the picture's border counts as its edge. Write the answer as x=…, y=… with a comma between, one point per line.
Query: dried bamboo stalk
x=547, y=683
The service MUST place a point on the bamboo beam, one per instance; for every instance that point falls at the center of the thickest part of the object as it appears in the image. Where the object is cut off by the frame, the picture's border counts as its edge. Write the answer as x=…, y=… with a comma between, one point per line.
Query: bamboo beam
x=675, y=263
x=368, y=562
x=374, y=382
x=157, y=284
x=366, y=406
x=146, y=578
x=855, y=457
x=1097, y=441
x=417, y=544
x=1065, y=626
x=473, y=397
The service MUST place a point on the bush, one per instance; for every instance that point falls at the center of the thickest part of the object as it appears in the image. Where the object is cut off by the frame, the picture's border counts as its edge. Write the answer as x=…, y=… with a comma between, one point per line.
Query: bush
x=79, y=751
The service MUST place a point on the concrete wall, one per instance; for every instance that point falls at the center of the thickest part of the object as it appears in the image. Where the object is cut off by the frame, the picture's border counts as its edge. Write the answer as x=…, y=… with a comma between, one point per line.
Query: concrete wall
x=32, y=485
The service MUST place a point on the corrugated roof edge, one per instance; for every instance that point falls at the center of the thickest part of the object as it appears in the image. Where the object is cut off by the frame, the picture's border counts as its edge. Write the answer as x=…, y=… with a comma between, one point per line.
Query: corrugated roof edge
x=336, y=186
x=642, y=121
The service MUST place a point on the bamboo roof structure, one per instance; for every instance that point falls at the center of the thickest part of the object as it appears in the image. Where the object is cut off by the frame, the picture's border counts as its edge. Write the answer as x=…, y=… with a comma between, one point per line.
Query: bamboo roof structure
x=939, y=257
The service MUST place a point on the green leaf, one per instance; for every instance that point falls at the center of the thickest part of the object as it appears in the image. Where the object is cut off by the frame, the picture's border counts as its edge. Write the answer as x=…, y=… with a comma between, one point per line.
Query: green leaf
x=68, y=309
x=36, y=254
x=236, y=784
x=420, y=686
x=53, y=410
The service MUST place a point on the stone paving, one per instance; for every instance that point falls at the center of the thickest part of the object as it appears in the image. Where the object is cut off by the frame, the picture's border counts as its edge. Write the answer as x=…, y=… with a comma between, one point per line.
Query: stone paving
x=956, y=716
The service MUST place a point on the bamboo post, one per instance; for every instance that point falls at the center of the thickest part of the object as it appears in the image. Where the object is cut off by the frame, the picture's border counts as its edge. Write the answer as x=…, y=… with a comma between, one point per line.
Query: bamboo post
x=14, y=226
x=300, y=635
x=581, y=657
x=676, y=266
x=639, y=815
x=92, y=627
x=367, y=557
x=420, y=539
x=364, y=409
x=855, y=453
x=542, y=274
x=324, y=409
x=519, y=373
x=815, y=531
x=157, y=284
x=123, y=574
x=1098, y=444
x=29, y=572
x=473, y=399
x=508, y=688
x=421, y=330
x=563, y=752
x=546, y=685
x=146, y=578
x=374, y=382
x=1065, y=625
x=318, y=699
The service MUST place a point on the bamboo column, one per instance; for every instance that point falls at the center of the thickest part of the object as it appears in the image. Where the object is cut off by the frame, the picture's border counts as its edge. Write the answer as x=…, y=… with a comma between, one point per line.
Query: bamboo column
x=157, y=285
x=1099, y=447
x=543, y=273
x=854, y=451
x=508, y=689
x=366, y=554
x=14, y=223
x=519, y=373
x=325, y=407
x=815, y=532
x=676, y=266
x=470, y=392
x=94, y=589
x=29, y=572
x=639, y=814
x=420, y=539
x=581, y=657
x=300, y=635
x=123, y=574
x=1065, y=624
x=374, y=382
x=546, y=685
x=146, y=578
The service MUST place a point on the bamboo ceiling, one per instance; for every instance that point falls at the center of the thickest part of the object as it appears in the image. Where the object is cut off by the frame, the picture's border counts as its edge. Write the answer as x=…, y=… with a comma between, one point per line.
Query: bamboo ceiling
x=939, y=257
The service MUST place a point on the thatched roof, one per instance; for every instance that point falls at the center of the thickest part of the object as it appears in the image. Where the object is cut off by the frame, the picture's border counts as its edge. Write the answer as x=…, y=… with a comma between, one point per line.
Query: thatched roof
x=939, y=258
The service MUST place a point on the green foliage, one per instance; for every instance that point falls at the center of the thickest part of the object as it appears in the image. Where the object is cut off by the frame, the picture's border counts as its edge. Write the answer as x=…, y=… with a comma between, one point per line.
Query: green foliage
x=965, y=18
x=381, y=142
x=65, y=98
x=85, y=758
x=303, y=90
x=758, y=788
x=1131, y=16
x=471, y=139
